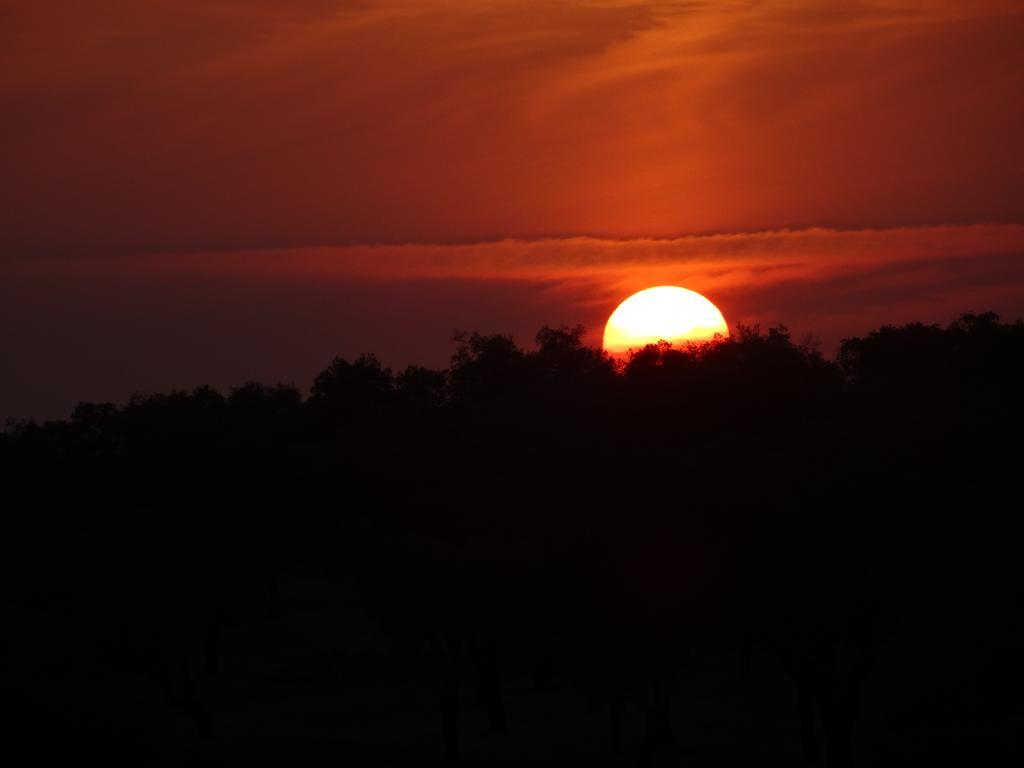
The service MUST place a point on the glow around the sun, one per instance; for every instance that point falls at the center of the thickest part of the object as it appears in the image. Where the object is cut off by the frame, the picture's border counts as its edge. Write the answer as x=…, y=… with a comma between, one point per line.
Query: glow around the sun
x=663, y=313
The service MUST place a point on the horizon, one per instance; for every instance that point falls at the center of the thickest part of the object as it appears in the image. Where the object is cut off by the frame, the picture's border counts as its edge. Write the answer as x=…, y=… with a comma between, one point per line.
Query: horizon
x=457, y=338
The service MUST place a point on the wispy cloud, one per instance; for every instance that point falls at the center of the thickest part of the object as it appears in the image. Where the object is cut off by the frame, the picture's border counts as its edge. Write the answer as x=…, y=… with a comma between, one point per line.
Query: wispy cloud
x=707, y=262
x=755, y=276
x=194, y=125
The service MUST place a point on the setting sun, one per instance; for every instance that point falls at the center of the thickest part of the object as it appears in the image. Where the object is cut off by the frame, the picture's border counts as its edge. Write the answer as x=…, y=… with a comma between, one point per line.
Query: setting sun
x=662, y=313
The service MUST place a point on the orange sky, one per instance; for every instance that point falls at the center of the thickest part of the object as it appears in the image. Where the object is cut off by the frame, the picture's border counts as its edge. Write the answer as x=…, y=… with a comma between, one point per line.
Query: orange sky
x=564, y=150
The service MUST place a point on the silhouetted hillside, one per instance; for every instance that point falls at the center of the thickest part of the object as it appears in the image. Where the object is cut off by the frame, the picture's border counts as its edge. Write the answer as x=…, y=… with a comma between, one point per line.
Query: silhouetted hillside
x=727, y=553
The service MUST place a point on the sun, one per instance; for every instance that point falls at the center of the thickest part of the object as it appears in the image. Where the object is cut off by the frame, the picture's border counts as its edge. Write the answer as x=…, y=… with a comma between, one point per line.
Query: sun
x=662, y=313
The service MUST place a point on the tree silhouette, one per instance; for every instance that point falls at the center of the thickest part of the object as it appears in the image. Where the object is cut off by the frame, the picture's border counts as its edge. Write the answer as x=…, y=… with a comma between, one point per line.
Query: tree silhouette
x=533, y=522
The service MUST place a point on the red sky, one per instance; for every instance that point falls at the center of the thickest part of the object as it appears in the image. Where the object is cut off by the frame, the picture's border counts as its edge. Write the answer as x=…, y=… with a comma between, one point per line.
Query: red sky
x=229, y=189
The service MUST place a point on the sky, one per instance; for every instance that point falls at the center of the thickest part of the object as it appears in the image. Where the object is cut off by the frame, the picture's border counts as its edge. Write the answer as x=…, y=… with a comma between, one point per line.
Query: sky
x=213, y=191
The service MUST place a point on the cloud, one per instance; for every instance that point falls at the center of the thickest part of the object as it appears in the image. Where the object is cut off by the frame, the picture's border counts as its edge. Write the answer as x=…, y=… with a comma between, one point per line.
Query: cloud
x=193, y=125
x=705, y=262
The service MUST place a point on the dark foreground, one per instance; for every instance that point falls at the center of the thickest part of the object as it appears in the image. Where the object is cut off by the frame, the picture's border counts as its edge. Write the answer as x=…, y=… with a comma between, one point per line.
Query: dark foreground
x=729, y=555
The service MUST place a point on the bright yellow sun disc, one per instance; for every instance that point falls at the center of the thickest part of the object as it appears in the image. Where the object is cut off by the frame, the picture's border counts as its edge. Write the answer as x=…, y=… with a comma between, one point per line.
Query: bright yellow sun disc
x=662, y=313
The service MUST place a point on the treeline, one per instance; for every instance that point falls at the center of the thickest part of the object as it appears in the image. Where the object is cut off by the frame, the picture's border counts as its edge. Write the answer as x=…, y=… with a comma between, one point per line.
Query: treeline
x=551, y=513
